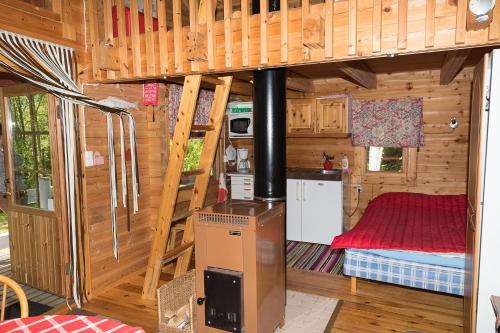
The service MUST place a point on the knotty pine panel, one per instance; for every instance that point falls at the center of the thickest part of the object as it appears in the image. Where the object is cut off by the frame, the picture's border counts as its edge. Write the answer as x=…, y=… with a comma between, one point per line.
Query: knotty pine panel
x=441, y=162
x=36, y=251
x=134, y=245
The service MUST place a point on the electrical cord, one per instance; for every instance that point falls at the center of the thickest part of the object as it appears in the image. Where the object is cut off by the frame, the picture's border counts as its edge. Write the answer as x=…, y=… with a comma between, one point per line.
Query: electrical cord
x=357, y=205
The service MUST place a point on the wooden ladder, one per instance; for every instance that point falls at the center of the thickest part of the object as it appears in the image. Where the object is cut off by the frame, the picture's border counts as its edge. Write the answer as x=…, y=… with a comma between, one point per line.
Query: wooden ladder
x=171, y=182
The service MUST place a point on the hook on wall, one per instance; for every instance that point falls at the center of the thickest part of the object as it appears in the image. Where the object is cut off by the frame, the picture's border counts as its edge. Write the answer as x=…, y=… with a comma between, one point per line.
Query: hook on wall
x=453, y=122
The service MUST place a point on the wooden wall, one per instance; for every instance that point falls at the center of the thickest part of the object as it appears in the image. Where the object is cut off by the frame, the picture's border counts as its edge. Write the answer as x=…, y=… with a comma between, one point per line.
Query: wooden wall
x=152, y=141
x=63, y=25
x=36, y=250
x=134, y=246
x=441, y=162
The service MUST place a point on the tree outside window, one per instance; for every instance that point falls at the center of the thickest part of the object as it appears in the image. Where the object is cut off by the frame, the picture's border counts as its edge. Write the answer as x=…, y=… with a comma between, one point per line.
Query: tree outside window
x=31, y=158
x=384, y=159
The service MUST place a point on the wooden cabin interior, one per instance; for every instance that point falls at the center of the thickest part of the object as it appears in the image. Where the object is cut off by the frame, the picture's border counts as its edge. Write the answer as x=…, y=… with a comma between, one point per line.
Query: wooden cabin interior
x=104, y=207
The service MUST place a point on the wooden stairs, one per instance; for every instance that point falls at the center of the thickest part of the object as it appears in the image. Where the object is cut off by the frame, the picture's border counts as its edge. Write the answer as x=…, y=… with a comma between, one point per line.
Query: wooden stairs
x=159, y=256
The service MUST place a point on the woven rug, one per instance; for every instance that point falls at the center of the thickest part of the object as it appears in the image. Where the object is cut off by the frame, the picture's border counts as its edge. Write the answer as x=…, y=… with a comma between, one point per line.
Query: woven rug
x=308, y=313
x=314, y=257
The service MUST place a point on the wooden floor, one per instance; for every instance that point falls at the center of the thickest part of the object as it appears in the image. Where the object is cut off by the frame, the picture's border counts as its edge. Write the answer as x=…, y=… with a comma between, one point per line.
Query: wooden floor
x=377, y=307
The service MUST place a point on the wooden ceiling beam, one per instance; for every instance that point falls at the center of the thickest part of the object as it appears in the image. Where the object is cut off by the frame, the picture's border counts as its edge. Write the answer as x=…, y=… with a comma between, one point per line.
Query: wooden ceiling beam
x=300, y=84
x=453, y=63
x=359, y=73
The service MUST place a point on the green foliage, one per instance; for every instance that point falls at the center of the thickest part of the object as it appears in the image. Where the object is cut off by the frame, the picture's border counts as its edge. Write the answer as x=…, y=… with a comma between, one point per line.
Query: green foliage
x=392, y=160
x=193, y=153
x=30, y=137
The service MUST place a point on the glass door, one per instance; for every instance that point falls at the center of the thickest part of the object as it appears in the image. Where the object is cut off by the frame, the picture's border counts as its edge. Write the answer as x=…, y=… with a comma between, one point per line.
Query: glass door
x=33, y=183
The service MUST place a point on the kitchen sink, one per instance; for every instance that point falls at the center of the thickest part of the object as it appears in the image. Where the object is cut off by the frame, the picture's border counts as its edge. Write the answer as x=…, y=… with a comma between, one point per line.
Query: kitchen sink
x=329, y=172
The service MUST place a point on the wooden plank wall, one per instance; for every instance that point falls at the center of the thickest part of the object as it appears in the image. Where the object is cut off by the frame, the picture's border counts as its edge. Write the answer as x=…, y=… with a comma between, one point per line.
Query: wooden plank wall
x=64, y=25
x=356, y=29
x=134, y=246
x=441, y=162
x=35, y=244
x=152, y=140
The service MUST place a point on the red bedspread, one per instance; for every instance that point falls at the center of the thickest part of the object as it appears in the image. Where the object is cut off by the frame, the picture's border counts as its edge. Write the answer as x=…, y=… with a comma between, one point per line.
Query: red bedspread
x=410, y=221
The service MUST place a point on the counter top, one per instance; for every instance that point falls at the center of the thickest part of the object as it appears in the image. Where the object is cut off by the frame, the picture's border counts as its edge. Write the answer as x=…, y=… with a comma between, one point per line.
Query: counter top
x=314, y=174
x=248, y=174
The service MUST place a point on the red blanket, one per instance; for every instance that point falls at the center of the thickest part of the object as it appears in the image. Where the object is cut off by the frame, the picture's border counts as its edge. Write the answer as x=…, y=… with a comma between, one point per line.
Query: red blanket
x=410, y=221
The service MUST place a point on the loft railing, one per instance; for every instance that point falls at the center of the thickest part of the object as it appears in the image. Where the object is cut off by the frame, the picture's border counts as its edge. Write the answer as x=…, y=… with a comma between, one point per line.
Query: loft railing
x=175, y=37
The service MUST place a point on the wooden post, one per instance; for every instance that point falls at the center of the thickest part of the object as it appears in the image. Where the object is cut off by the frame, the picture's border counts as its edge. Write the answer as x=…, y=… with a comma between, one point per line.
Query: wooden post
x=150, y=40
x=354, y=287
x=461, y=21
x=430, y=23
x=377, y=26
x=284, y=30
x=210, y=16
x=193, y=28
x=245, y=29
x=228, y=33
x=163, y=36
x=177, y=22
x=353, y=25
x=94, y=38
x=122, y=38
x=402, y=24
x=264, y=13
x=135, y=37
x=329, y=28
x=305, y=12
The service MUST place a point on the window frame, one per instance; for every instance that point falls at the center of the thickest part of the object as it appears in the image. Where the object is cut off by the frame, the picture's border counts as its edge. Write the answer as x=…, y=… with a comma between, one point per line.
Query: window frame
x=407, y=176
x=24, y=89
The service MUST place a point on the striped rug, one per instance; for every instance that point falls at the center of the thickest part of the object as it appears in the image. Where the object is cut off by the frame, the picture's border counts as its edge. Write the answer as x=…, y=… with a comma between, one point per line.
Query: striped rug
x=314, y=257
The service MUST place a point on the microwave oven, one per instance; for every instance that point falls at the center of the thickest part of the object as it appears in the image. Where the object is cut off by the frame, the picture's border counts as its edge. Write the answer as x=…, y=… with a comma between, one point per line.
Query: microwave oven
x=240, y=125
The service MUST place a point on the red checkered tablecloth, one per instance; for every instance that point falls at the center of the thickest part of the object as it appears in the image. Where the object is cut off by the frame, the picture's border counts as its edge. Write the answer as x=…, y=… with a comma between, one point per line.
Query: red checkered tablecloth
x=65, y=323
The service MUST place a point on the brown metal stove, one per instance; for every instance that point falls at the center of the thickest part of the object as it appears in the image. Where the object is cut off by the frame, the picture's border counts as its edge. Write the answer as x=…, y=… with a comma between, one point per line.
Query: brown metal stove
x=240, y=267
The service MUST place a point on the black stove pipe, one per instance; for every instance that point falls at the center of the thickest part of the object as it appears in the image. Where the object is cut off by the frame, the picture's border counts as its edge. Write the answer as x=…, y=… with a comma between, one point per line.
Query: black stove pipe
x=269, y=126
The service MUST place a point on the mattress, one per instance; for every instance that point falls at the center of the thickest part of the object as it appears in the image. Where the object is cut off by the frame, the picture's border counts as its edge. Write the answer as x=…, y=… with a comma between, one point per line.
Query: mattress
x=410, y=221
x=456, y=260
x=402, y=272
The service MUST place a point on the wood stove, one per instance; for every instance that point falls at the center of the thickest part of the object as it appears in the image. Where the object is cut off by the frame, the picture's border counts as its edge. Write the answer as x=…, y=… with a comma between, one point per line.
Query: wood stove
x=240, y=265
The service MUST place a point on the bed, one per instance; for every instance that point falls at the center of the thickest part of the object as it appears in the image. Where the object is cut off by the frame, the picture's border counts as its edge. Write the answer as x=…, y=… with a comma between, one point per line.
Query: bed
x=409, y=239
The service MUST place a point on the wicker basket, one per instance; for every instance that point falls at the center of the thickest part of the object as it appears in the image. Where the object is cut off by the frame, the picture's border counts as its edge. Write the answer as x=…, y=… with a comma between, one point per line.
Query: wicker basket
x=173, y=296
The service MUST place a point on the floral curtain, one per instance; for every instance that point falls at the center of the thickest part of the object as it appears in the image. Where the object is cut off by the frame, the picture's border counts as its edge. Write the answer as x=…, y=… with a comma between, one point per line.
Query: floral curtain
x=203, y=106
x=387, y=122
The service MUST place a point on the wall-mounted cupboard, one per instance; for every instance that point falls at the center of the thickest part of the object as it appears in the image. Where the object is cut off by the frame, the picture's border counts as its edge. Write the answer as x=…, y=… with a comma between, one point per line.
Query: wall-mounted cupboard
x=318, y=117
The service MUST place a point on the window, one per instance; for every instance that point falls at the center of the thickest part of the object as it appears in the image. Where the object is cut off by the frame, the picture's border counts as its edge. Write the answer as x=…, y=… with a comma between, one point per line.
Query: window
x=31, y=153
x=384, y=159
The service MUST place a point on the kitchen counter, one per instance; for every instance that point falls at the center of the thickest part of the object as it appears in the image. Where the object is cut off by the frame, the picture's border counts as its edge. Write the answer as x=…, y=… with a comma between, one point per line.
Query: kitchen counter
x=314, y=174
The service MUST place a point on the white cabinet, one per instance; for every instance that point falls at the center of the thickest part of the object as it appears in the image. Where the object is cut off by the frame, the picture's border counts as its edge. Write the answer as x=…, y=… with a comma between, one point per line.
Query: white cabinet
x=241, y=186
x=314, y=210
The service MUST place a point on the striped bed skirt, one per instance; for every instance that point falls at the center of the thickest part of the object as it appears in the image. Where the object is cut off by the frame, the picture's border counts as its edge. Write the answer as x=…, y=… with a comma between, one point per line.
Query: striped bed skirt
x=406, y=273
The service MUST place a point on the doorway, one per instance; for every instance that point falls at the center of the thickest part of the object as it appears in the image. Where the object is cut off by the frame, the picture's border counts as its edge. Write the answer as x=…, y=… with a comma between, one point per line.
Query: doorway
x=30, y=195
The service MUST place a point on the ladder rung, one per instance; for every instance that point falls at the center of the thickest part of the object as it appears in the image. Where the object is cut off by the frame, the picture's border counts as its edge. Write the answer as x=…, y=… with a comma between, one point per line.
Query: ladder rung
x=183, y=216
x=194, y=172
x=202, y=128
x=176, y=253
x=212, y=80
